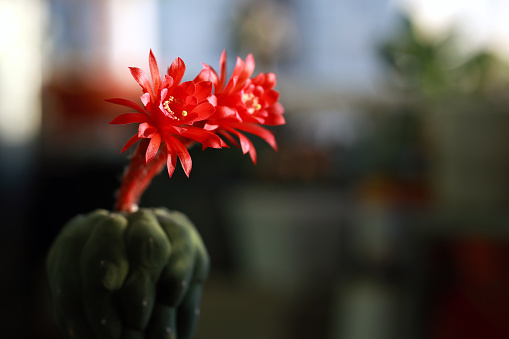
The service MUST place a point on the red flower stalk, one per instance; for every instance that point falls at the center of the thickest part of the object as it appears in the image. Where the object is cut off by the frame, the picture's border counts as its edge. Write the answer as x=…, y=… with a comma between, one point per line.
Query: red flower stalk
x=244, y=103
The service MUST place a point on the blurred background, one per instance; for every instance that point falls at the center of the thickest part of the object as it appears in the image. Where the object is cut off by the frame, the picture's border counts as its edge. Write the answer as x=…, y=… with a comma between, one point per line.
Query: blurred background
x=384, y=214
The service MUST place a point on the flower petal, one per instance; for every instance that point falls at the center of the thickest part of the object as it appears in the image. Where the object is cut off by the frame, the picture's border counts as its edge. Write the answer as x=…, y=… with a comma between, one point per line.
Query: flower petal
x=205, y=137
x=247, y=146
x=167, y=81
x=185, y=158
x=145, y=99
x=154, y=72
x=271, y=96
x=129, y=118
x=257, y=130
x=171, y=160
x=127, y=103
x=225, y=112
x=203, y=111
x=229, y=137
x=192, y=101
x=230, y=86
x=203, y=90
x=213, y=77
x=249, y=67
x=177, y=70
x=222, y=68
x=270, y=80
x=275, y=116
x=130, y=142
x=204, y=75
x=145, y=130
x=153, y=147
x=142, y=80
x=188, y=87
x=181, y=151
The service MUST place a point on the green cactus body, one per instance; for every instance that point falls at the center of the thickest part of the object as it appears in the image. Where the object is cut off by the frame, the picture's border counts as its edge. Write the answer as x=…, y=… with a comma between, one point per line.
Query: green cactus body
x=118, y=276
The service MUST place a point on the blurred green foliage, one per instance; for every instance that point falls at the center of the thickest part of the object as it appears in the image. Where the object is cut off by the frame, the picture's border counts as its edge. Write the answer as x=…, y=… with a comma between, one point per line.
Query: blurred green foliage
x=436, y=69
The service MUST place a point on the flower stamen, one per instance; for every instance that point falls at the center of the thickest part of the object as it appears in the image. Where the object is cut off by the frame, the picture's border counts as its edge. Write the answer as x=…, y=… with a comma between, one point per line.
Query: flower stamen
x=176, y=104
x=251, y=102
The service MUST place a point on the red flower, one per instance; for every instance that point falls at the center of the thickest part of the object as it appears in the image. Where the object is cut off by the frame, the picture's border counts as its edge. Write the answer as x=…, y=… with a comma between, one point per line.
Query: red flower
x=244, y=103
x=170, y=109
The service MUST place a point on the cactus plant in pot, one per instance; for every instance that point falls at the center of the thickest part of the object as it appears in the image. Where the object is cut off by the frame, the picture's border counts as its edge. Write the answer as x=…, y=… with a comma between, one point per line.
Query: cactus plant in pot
x=138, y=272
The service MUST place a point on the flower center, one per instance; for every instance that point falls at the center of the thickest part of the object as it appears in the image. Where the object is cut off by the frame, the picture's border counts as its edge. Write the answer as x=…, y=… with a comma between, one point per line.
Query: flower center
x=251, y=102
x=175, y=107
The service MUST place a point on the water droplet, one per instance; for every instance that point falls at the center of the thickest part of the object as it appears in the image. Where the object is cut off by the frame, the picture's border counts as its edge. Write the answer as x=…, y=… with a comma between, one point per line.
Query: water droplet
x=103, y=321
x=168, y=330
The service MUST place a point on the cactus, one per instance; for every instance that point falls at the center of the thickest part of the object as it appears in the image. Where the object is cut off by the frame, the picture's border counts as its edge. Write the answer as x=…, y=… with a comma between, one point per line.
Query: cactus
x=117, y=275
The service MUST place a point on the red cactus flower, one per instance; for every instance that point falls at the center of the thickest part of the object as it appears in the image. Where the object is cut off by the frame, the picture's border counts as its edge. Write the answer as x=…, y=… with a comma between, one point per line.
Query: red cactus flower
x=244, y=103
x=170, y=109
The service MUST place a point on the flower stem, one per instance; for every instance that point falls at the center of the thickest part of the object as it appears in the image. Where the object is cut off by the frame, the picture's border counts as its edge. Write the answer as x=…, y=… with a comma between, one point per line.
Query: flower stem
x=137, y=177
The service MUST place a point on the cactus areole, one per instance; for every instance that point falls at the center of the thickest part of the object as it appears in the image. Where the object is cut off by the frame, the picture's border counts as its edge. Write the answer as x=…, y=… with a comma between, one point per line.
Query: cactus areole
x=139, y=272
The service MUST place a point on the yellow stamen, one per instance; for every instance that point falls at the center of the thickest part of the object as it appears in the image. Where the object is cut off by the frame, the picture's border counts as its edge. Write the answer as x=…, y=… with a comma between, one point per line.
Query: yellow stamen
x=251, y=102
x=176, y=104
x=166, y=106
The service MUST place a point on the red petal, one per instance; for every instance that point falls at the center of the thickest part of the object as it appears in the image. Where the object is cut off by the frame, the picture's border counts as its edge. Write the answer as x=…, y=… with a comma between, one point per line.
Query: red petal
x=203, y=90
x=171, y=160
x=188, y=87
x=130, y=142
x=129, y=118
x=153, y=147
x=204, y=75
x=263, y=133
x=127, y=103
x=177, y=70
x=183, y=154
x=185, y=159
x=145, y=99
x=167, y=81
x=146, y=131
x=154, y=72
x=225, y=112
x=249, y=67
x=191, y=100
x=258, y=80
x=270, y=80
x=239, y=67
x=212, y=99
x=271, y=96
x=247, y=146
x=232, y=83
x=203, y=111
x=214, y=78
x=222, y=68
x=141, y=79
x=229, y=137
x=206, y=138
x=275, y=115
